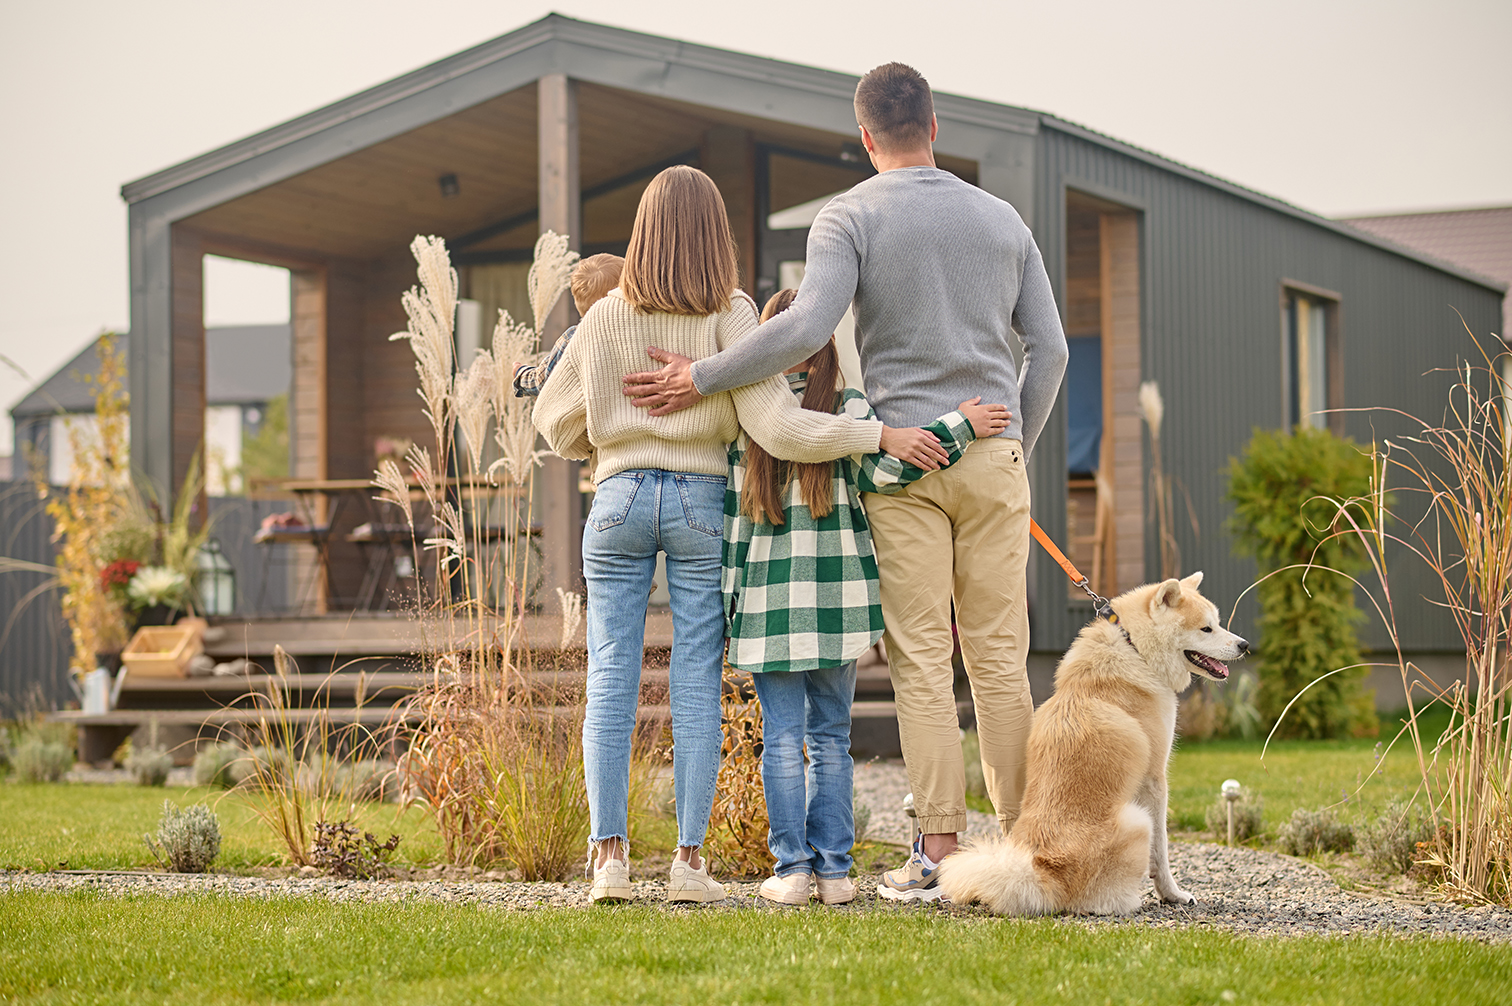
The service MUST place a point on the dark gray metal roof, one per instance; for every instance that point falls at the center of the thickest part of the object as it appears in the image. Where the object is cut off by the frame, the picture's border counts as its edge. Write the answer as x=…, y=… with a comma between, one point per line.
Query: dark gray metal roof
x=243, y=364
x=637, y=62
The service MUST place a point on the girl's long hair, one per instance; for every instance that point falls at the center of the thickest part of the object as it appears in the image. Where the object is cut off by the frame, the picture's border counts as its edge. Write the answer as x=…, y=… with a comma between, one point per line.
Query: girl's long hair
x=766, y=479
x=681, y=257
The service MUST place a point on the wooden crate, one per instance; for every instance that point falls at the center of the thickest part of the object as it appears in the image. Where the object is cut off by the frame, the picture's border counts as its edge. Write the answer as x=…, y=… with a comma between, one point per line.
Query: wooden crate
x=163, y=651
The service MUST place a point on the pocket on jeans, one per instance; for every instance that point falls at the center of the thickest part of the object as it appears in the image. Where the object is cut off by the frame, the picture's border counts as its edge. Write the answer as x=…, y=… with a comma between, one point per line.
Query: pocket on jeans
x=612, y=501
x=703, y=502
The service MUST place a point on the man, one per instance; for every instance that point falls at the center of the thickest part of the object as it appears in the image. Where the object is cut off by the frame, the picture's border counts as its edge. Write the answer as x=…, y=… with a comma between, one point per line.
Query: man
x=938, y=272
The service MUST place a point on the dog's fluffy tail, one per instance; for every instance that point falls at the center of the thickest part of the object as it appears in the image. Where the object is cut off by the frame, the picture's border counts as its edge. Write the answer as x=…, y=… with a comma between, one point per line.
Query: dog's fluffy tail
x=999, y=874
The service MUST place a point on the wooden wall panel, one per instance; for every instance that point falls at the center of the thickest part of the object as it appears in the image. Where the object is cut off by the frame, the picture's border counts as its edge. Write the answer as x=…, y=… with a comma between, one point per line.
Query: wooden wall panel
x=1124, y=450
x=390, y=402
x=729, y=157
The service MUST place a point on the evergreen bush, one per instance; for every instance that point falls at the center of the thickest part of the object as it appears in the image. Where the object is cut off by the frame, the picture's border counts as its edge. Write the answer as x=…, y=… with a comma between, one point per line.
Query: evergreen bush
x=1313, y=831
x=1283, y=490
x=149, y=765
x=38, y=759
x=1391, y=840
x=188, y=840
x=216, y=765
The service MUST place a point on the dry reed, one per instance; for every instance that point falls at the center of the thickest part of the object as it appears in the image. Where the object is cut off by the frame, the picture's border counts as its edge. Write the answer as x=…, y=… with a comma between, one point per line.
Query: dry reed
x=1459, y=471
x=495, y=752
x=737, y=840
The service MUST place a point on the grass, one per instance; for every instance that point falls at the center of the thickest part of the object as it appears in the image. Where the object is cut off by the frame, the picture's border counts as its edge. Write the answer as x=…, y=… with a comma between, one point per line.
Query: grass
x=100, y=827
x=83, y=948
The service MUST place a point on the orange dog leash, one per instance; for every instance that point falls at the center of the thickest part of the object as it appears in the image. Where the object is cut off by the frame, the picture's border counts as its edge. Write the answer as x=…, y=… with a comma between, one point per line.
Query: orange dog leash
x=1104, y=609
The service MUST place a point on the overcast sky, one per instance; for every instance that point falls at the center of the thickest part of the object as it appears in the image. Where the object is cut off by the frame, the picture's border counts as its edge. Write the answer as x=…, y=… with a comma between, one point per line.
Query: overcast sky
x=1338, y=106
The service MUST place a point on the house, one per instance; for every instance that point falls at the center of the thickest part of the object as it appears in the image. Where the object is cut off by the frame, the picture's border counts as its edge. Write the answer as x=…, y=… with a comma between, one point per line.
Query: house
x=1247, y=311
x=247, y=368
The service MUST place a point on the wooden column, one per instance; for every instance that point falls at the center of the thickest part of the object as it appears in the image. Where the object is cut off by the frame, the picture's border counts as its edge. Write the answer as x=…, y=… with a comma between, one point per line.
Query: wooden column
x=187, y=341
x=728, y=156
x=560, y=195
x=1123, y=443
x=309, y=408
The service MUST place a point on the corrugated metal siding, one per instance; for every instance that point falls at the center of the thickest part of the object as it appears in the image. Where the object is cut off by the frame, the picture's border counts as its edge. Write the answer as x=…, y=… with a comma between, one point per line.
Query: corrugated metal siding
x=1213, y=267
x=34, y=643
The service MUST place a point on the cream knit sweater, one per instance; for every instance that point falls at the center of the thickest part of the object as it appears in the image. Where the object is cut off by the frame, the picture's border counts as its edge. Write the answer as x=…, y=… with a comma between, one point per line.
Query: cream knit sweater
x=583, y=407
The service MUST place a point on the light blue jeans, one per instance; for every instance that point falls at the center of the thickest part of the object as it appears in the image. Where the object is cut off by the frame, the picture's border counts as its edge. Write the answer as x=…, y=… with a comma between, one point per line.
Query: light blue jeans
x=813, y=827
x=635, y=515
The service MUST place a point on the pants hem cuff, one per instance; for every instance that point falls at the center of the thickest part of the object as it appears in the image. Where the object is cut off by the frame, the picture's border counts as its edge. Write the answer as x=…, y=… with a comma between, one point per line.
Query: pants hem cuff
x=943, y=824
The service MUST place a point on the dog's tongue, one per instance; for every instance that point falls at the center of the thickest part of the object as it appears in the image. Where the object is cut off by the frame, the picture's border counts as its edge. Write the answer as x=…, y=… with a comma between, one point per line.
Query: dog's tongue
x=1215, y=667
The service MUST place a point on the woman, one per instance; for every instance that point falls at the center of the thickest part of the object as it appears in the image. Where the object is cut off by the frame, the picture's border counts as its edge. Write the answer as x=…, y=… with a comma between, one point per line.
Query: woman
x=661, y=487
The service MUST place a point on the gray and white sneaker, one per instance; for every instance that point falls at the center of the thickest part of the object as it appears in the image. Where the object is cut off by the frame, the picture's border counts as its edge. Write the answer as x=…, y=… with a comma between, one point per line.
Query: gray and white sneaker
x=914, y=880
x=687, y=884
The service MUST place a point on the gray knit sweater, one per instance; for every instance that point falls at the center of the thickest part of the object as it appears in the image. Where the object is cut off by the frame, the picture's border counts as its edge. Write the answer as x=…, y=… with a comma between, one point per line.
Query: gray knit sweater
x=939, y=271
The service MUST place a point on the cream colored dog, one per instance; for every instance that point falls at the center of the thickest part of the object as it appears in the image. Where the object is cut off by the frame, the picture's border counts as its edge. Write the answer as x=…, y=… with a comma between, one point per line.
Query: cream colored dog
x=1092, y=827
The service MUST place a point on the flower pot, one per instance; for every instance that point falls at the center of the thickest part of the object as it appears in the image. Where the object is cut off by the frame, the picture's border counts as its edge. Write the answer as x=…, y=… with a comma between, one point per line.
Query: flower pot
x=157, y=614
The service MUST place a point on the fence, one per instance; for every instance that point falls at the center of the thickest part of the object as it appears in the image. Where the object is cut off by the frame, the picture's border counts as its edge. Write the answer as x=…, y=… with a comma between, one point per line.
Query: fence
x=35, y=648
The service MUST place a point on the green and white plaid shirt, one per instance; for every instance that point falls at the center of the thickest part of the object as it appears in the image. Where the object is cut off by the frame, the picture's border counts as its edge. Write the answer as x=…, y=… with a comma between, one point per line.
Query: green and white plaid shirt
x=803, y=595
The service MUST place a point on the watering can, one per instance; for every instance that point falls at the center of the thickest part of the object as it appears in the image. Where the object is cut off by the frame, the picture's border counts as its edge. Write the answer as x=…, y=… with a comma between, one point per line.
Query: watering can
x=98, y=694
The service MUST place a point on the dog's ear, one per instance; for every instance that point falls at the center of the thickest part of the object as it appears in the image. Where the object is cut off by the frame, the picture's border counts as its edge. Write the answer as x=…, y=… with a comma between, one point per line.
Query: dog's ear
x=1169, y=594
x=1194, y=581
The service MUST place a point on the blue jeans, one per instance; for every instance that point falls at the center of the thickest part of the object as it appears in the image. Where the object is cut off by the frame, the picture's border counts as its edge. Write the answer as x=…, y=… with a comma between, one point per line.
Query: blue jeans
x=635, y=515
x=813, y=829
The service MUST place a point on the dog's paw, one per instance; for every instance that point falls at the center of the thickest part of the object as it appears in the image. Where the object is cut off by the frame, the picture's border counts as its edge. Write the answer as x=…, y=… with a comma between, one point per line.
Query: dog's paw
x=1179, y=897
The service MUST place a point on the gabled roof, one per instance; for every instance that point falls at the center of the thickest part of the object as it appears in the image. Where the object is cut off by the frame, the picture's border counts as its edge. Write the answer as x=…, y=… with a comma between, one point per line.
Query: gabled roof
x=244, y=364
x=633, y=61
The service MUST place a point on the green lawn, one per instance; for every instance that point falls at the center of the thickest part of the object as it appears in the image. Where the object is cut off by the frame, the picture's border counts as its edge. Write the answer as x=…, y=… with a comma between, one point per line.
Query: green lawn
x=82, y=948
x=101, y=827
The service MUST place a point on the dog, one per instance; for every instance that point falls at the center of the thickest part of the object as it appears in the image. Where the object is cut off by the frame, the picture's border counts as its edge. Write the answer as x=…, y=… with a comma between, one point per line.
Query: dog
x=1092, y=827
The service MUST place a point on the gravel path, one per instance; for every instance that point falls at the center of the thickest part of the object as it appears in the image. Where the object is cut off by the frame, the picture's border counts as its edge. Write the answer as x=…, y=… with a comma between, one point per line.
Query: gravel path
x=1239, y=890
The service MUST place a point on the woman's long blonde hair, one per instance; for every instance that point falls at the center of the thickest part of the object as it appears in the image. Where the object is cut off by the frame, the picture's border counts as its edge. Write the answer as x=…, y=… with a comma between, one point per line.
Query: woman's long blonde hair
x=681, y=257
x=767, y=479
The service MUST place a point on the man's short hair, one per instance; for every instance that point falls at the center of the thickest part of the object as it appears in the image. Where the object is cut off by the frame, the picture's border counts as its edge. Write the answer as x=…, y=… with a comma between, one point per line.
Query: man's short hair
x=594, y=277
x=896, y=106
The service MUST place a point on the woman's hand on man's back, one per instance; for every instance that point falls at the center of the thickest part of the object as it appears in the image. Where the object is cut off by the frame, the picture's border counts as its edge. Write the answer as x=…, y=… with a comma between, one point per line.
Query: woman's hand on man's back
x=915, y=446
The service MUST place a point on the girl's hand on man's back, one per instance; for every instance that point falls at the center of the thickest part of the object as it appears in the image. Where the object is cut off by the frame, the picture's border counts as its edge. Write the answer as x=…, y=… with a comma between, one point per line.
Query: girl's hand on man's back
x=915, y=446
x=986, y=420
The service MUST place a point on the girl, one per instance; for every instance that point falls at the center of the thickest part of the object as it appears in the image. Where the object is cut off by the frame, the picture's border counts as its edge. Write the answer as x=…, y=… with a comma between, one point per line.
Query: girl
x=661, y=488
x=801, y=600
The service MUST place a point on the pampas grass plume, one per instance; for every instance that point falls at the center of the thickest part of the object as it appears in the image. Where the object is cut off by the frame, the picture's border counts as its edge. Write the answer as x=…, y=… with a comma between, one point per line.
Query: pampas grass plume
x=550, y=274
x=1152, y=405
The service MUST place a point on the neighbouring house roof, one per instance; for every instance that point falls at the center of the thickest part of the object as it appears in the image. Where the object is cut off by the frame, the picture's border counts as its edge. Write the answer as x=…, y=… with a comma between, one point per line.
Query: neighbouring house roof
x=1478, y=239
x=243, y=364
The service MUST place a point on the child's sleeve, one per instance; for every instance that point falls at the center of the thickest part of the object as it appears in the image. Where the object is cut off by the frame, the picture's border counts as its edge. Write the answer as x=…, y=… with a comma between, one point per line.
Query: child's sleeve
x=529, y=379
x=561, y=412
x=881, y=472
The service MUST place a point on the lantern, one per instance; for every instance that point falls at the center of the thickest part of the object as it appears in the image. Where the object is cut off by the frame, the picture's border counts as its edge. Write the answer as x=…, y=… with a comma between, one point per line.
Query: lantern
x=214, y=579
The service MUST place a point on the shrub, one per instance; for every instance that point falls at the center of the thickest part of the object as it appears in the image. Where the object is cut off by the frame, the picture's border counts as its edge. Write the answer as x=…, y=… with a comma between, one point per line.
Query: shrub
x=861, y=814
x=216, y=765
x=5, y=751
x=188, y=840
x=265, y=761
x=341, y=851
x=1249, y=816
x=368, y=779
x=1313, y=831
x=38, y=759
x=1391, y=841
x=149, y=765
x=1284, y=490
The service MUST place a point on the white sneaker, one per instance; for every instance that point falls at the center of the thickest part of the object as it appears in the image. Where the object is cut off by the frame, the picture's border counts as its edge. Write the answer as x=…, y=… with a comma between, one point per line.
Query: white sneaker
x=688, y=884
x=837, y=890
x=611, y=882
x=790, y=889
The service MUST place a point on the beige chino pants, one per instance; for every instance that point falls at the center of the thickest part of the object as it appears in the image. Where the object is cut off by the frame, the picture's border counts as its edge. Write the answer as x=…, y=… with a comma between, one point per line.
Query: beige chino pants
x=961, y=533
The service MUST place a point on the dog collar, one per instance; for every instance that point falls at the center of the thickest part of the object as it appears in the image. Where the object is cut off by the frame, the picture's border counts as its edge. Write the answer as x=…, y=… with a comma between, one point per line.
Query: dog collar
x=1105, y=610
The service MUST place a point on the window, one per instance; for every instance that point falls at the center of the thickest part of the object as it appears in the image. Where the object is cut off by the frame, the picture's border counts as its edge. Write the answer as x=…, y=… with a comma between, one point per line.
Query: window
x=1310, y=352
